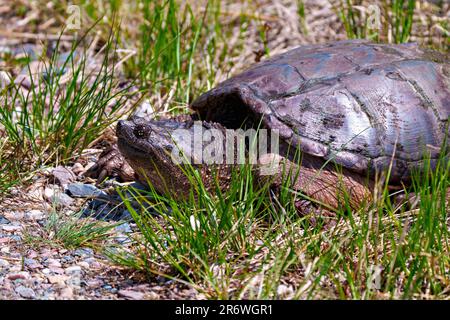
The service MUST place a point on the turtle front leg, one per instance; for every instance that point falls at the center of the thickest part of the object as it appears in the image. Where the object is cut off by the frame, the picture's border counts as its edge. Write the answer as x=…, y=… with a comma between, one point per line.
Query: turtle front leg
x=111, y=163
x=327, y=188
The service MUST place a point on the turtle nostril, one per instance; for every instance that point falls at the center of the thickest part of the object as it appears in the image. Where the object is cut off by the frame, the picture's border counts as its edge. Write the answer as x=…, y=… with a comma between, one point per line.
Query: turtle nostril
x=142, y=131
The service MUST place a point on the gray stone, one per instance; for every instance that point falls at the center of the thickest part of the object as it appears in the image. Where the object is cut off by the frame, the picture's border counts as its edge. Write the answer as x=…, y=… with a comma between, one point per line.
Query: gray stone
x=25, y=292
x=67, y=259
x=31, y=263
x=124, y=228
x=82, y=190
x=3, y=220
x=34, y=215
x=83, y=252
x=60, y=199
x=73, y=270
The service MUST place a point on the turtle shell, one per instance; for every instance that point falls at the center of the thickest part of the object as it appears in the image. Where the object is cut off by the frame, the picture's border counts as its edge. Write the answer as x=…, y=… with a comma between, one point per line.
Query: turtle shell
x=360, y=104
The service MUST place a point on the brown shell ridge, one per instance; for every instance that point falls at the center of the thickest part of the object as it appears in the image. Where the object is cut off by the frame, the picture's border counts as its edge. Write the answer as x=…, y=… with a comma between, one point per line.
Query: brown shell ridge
x=320, y=97
x=420, y=92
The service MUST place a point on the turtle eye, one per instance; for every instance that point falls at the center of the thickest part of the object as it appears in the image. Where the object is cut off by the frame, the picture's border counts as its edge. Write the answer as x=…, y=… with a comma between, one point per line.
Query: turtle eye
x=142, y=131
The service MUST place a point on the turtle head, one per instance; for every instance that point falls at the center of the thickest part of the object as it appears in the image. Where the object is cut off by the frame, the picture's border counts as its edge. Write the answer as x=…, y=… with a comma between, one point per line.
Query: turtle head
x=160, y=150
x=149, y=146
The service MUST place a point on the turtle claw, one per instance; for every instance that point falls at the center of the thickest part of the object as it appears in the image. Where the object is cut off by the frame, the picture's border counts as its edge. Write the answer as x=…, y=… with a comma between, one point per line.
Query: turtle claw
x=111, y=164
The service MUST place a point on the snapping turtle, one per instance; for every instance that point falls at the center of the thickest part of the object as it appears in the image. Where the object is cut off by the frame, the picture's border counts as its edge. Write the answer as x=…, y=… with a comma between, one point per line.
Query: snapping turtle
x=361, y=105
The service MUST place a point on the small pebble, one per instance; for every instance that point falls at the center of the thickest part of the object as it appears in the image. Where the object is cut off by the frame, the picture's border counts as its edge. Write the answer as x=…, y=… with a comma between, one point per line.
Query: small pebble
x=57, y=279
x=83, y=252
x=131, y=295
x=3, y=220
x=34, y=215
x=66, y=293
x=53, y=263
x=73, y=269
x=77, y=168
x=25, y=292
x=23, y=275
x=9, y=228
x=123, y=228
x=3, y=263
x=56, y=270
x=61, y=199
x=32, y=264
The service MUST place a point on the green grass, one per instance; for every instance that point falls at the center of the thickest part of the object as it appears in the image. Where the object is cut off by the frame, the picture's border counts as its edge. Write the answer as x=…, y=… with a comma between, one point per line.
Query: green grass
x=62, y=112
x=243, y=243
x=72, y=232
x=395, y=20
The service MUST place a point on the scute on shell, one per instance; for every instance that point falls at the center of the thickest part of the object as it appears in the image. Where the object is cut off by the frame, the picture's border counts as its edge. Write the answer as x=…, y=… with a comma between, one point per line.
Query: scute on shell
x=360, y=104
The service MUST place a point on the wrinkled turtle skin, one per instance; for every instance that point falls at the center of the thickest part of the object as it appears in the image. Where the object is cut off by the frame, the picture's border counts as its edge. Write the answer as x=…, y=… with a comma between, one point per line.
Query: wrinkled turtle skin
x=357, y=103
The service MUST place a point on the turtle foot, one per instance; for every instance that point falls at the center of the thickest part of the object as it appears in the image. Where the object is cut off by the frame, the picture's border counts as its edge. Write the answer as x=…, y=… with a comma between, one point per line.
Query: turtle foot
x=111, y=164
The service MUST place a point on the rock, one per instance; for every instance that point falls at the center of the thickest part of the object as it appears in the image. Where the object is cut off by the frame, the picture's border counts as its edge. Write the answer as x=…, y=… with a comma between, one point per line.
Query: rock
x=93, y=263
x=83, y=252
x=66, y=293
x=34, y=215
x=14, y=215
x=53, y=263
x=77, y=168
x=57, y=279
x=152, y=296
x=32, y=254
x=131, y=295
x=4, y=249
x=3, y=220
x=15, y=238
x=122, y=240
x=73, y=270
x=94, y=283
x=46, y=271
x=32, y=264
x=10, y=228
x=63, y=176
x=4, y=263
x=57, y=197
x=25, y=292
x=82, y=190
x=57, y=270
x=284, y=291
x=50, y=191
x=123, y=228
x=19, y=275
x=67, y=259
x=83, y=264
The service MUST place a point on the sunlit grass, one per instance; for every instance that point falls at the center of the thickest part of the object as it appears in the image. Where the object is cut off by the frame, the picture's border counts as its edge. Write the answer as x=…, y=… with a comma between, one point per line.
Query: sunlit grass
x=65, y=109
x=72, y=232
x=246, y=241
